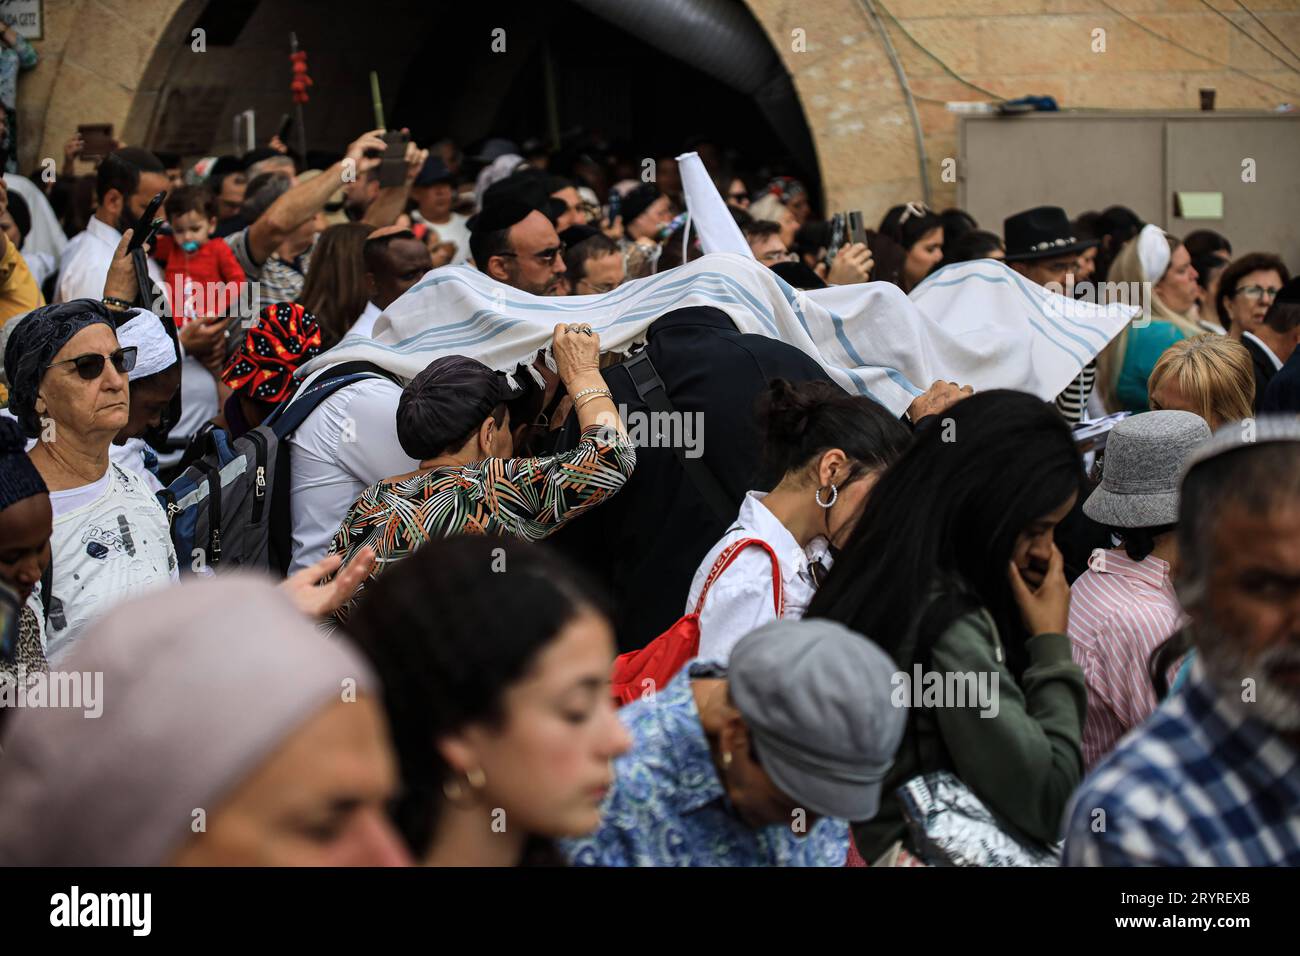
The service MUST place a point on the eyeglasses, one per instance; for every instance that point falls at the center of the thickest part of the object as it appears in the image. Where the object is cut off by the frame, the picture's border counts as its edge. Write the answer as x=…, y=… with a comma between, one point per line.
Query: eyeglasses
x=1258, y=291
x=738, y=196
x=91, y=365
x=777, y=255
x=545, y=257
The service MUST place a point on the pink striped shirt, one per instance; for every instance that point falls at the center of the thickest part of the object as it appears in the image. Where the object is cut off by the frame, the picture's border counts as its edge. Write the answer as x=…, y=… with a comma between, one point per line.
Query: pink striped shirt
x=1120, y=611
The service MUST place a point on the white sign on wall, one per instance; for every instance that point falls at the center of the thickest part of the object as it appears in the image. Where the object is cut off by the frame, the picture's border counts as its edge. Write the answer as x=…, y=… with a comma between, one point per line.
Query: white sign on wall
x=27, y=17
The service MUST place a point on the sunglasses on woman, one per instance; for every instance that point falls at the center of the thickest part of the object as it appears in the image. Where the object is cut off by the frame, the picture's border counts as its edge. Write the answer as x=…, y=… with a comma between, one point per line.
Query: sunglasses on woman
x=91, y=365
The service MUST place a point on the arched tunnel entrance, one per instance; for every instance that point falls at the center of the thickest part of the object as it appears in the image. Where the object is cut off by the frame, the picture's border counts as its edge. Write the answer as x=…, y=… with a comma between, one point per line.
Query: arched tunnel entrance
x=645, y=78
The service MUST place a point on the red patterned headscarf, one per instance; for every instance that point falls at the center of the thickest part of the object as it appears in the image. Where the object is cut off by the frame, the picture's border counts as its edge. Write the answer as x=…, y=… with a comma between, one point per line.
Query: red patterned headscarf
x=285, y=336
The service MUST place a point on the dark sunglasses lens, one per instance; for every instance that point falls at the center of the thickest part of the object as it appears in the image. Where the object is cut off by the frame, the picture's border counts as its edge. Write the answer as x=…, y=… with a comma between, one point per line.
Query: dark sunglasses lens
x=124, y=359
x=89, y=367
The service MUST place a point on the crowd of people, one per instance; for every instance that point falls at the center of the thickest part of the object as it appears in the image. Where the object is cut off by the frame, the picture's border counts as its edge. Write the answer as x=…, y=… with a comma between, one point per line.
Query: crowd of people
x=345, y=616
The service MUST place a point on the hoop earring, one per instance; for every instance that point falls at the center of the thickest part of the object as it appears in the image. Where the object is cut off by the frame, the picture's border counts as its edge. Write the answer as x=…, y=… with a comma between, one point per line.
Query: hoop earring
x=817, y=496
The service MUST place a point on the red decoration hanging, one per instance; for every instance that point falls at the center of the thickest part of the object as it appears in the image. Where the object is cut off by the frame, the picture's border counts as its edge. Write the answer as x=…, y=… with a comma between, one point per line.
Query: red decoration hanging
x=300, y=80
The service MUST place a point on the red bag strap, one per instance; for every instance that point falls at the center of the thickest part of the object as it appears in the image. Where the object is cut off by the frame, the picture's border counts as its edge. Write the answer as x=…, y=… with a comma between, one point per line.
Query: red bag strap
x=729, y=554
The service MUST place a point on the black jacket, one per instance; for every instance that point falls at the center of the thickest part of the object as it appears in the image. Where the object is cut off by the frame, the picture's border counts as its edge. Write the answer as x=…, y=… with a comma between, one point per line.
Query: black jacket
x=1264, y=370
x=645, y=544
x=1283, y=393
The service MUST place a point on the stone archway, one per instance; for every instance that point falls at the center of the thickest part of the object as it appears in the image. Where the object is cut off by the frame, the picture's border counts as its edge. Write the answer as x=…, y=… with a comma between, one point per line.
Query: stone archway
x=109, y=61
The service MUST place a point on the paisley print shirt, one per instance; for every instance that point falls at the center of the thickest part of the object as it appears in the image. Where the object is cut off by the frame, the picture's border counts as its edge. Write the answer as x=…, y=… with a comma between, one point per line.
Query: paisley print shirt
x=668, y=808
x=518, y=497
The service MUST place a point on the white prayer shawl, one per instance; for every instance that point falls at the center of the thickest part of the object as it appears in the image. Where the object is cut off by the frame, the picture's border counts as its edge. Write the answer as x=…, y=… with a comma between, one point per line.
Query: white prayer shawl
x=976, y=323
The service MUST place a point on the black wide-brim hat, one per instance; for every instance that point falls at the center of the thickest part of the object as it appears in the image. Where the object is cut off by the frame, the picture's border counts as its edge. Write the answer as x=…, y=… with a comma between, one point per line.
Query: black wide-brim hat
x=1043, y=232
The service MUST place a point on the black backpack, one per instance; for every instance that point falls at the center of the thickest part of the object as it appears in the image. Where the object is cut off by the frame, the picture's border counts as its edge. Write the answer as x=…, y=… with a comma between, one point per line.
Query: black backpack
x=230, y=508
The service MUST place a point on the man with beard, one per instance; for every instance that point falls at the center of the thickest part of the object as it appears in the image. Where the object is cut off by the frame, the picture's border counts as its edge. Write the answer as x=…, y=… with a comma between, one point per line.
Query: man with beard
x=125, y=182
x=1213, y=777
x=515, y=243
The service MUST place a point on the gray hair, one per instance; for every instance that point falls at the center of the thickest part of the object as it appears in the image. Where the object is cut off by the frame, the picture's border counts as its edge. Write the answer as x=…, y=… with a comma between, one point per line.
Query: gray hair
x=1259, y=477
x=261, y=193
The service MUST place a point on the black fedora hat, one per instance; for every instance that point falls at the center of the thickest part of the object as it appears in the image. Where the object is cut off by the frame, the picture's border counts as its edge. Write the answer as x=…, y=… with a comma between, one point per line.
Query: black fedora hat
x=1043, y=232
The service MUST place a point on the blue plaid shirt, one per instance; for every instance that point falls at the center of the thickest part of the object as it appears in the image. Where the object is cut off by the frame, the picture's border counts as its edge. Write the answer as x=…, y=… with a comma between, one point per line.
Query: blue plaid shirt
x=1198, y=784
x=668, y=808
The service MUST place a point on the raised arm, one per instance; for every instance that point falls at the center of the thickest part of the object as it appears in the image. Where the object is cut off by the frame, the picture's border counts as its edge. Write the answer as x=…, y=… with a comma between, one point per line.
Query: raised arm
x=306, y=199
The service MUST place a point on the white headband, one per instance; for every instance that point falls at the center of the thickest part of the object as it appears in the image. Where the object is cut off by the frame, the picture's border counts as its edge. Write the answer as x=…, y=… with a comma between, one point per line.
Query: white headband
x=155, y=351
x=1153, y=252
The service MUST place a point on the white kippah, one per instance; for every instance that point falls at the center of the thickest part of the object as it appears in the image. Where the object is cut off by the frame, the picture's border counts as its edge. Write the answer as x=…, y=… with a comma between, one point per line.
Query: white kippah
x=155, y=351
x=1153, y=252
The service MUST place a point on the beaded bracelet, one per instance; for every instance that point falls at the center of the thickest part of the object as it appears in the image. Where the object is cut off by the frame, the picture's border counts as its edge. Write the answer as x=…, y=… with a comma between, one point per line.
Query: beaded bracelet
x=592, y=391
x=116, y=304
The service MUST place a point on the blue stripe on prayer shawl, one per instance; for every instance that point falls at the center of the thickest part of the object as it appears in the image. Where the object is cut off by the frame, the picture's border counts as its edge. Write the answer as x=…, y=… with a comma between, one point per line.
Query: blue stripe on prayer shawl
x=1021, y=286
x=1045, y=333
x=660, y=296
x=791, y=296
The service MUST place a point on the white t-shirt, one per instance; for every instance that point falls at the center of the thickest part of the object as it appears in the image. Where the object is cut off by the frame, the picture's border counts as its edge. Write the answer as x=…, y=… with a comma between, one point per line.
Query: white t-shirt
x=133, y=454
x=741, y=598
x=454, y=230
x=111, y=542
x=85, y=267
x=347, y=444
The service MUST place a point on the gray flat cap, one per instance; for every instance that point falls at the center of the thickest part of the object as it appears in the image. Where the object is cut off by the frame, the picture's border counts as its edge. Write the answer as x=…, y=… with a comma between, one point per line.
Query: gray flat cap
x=816, y=698
x=1246, y=434
x=1145, y=455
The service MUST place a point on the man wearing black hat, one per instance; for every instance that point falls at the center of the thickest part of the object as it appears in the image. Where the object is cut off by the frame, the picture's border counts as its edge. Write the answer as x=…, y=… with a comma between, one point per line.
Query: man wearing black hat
x=515, y=243
x=434, y=192
x=1042, y=247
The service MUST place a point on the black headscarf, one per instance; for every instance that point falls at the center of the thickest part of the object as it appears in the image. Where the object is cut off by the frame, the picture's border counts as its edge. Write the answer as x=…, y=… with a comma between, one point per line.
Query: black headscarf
x=35, y=340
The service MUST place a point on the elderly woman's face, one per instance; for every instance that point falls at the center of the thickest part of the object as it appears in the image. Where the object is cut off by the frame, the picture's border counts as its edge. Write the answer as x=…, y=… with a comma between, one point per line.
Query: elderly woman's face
x=98, y=406
x=548, y=765
x=318, y=800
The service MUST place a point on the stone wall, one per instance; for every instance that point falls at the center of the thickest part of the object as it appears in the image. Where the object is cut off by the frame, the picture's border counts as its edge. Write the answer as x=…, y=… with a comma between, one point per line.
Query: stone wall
x=110, y=60
x=980, y=49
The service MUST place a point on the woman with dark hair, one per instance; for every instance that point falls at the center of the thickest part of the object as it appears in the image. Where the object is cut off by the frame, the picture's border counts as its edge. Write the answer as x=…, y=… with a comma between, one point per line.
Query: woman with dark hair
x=953, y=571
x=1116, y=225
x=975, y=244
x=496, y=687
x=824, y=450
x=336, y=291
x=956, y=224
x=1211, y=252
x=919, y=230
x=1247, y=288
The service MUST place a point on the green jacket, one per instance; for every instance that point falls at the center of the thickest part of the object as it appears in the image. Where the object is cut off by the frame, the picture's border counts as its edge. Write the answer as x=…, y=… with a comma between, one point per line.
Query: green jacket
x=1024, y=763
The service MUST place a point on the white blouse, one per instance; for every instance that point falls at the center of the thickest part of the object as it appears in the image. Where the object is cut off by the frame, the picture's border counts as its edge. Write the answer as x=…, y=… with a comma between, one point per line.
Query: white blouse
x=741, y=598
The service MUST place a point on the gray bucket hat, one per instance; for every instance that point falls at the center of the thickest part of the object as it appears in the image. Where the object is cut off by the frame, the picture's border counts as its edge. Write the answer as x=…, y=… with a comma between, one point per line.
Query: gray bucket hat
x=1144, y=462
x=816, y=699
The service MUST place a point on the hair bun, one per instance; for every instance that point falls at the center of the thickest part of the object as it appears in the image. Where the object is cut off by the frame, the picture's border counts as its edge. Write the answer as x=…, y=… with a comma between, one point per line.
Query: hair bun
x=787, y=410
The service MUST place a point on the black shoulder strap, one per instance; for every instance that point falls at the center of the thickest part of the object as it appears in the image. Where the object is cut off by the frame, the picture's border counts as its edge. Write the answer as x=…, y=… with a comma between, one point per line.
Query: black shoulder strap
x=47, y=582
x=651, y=390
